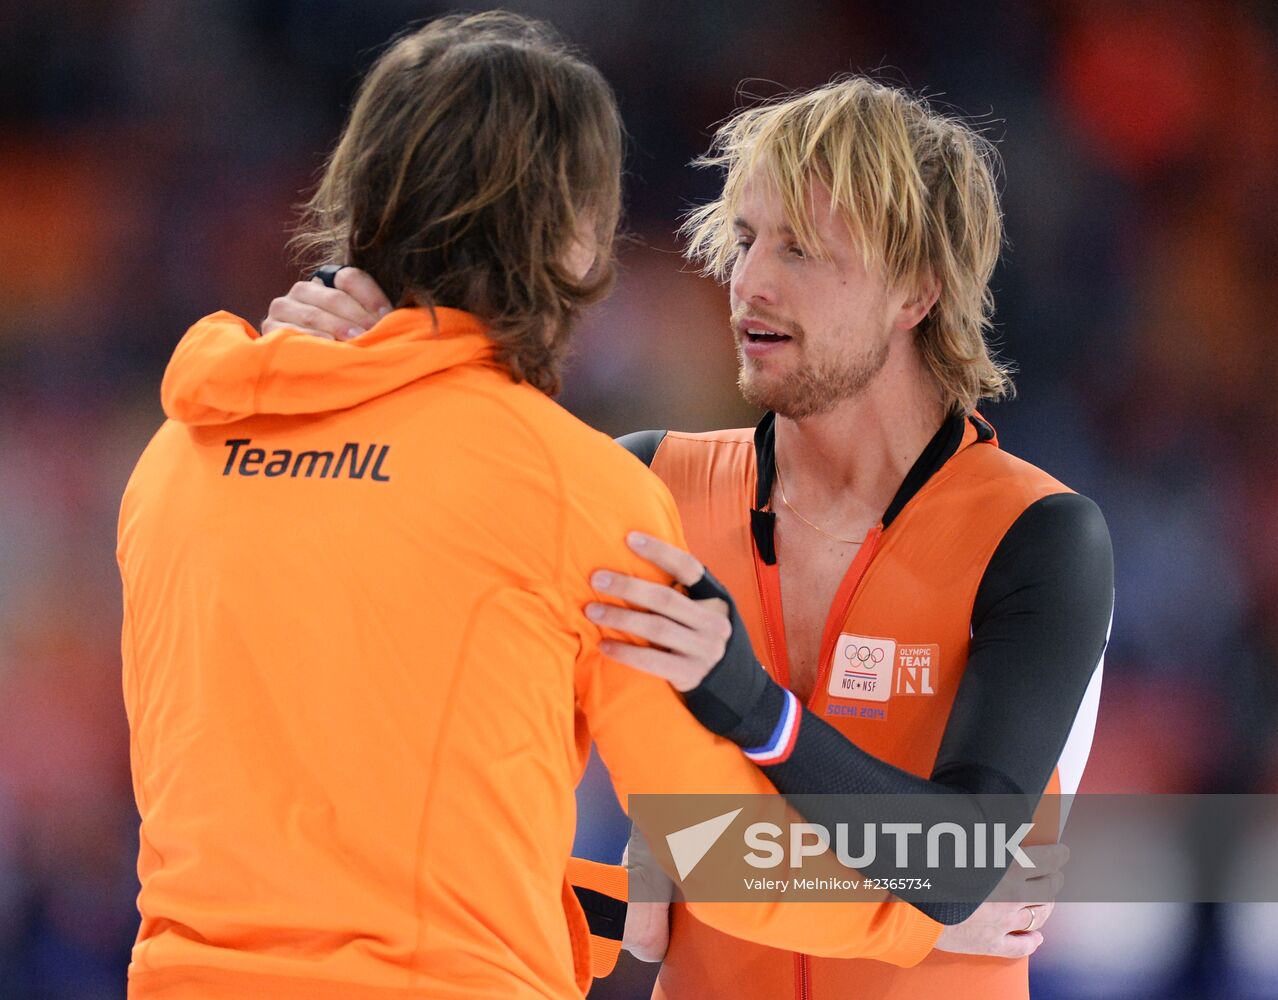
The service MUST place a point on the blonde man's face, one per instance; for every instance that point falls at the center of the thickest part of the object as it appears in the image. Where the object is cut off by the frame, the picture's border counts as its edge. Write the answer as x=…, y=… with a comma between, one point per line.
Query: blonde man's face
x=810, y=332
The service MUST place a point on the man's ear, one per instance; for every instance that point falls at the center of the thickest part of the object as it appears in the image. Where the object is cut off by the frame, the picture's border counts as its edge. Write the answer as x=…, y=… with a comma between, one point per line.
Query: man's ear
x=919, y=303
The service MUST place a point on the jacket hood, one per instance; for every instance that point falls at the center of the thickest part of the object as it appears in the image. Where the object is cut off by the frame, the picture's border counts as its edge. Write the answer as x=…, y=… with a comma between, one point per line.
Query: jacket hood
x=223, y=371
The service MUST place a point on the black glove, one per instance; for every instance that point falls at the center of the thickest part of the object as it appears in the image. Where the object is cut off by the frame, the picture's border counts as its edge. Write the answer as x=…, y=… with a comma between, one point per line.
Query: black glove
x=736, y=699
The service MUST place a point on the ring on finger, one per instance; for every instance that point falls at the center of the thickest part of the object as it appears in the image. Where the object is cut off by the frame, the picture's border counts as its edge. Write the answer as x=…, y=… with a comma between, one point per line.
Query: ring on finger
x=328, y=274
x=1033, y=916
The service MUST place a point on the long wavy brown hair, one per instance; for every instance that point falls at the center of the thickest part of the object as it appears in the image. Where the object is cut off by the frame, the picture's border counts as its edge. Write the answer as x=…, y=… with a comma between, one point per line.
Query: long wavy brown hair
x=476, y=147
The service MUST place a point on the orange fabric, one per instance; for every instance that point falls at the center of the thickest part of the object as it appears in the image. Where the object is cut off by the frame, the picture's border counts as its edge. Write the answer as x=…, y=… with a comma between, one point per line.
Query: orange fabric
x=361, y=686
x=611, y=880
x=604, y=953
x=913, y=583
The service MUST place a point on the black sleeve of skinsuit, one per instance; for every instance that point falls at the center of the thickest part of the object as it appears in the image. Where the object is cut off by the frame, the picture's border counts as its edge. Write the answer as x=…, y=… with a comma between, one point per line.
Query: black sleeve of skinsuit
x=642, y=444
x=1040, y=624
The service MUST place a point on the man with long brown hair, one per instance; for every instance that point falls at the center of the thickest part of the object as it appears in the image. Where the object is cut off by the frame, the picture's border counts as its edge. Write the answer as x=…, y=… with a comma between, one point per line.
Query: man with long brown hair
x=374, y=797
x=946, y=606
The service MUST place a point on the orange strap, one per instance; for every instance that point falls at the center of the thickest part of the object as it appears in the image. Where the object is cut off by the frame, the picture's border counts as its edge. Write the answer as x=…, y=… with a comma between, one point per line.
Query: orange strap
x=601, y=890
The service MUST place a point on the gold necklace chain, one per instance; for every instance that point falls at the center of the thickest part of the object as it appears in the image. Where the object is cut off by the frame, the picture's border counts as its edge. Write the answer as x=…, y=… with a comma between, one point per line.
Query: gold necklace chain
x=815, y=527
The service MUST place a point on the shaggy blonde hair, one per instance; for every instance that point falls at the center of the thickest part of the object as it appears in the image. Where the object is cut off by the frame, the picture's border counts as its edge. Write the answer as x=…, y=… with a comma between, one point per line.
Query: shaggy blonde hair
x=916, y=188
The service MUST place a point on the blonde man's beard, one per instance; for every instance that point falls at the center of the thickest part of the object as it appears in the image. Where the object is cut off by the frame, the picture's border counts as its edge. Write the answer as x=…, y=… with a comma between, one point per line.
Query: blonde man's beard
x=811, y=389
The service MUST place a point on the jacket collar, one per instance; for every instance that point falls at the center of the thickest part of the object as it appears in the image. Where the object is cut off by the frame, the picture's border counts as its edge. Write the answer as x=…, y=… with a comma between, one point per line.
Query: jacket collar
x=956, y=432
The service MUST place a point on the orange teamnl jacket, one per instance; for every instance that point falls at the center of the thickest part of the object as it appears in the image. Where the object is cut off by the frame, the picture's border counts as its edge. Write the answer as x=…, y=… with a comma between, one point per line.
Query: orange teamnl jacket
x=361, y=687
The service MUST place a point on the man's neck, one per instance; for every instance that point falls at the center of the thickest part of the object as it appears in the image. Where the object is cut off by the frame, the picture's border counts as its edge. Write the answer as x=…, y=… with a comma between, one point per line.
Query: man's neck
x=847, y=464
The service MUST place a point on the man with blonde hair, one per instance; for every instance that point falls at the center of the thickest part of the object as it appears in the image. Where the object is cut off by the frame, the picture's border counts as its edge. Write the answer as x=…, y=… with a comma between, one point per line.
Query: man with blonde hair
x=931, y=612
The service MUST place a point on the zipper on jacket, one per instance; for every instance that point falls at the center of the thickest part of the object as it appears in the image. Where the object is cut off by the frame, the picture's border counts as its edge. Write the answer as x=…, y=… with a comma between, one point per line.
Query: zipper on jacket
x=768, y=579
x=801, y=990
x=837, y=615
x=842, y=607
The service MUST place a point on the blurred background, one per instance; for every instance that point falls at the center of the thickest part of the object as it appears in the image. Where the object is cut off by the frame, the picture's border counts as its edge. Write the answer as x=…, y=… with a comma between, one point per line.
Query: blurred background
x=150, y=157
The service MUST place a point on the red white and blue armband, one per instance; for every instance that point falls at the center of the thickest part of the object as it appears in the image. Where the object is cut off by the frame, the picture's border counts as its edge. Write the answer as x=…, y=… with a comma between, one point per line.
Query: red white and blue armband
x=781, y=745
